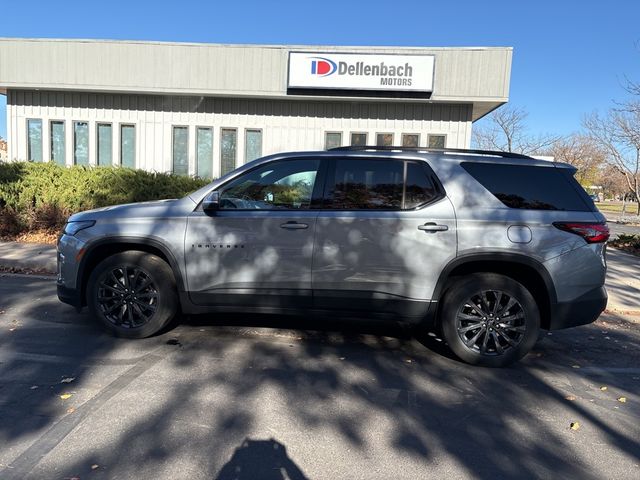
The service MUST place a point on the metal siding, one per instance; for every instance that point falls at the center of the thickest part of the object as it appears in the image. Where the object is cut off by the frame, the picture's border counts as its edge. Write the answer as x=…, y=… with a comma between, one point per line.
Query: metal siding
x=286, y=125
x=461, y=74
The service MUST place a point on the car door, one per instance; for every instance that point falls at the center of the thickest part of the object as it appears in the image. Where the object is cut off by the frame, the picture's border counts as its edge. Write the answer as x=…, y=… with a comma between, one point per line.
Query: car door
x=256, y=248
x=385, y=232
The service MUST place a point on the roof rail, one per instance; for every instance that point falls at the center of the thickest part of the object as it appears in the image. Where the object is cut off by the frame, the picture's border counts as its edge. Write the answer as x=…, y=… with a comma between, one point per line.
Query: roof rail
x=356, y=148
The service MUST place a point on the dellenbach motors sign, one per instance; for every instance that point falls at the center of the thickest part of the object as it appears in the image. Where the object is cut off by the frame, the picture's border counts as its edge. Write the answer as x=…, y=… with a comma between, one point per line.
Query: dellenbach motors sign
x=349, y=71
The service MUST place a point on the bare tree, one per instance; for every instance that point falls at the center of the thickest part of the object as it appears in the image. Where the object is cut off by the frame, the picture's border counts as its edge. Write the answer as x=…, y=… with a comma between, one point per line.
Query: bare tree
x=582, y=152
x=618, y=134
x=507, y=132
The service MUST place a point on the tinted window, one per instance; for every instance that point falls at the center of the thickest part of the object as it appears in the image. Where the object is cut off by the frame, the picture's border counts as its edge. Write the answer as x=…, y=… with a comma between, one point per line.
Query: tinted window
x=367, y=184
x=181, y=150
x=57, y=142
x=128, y=146
x=228, y=140
x=204, y=152
x=536, y=188
x=81, y=143
x=276, y=186
x=105, y=144
x=34, y=145
x=332, y=140
x=420, y=187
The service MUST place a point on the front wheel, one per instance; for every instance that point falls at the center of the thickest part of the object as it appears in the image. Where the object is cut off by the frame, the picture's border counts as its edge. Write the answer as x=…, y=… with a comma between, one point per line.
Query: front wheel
x=489, y=319
x=132, y=294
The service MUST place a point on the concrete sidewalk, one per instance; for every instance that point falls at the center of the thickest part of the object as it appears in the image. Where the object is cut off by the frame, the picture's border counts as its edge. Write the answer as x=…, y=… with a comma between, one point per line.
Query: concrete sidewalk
x=31, y=256
x=623, y=276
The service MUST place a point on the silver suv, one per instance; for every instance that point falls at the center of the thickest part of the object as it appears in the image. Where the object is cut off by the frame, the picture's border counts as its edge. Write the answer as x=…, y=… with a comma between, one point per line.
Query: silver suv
x=488, y=247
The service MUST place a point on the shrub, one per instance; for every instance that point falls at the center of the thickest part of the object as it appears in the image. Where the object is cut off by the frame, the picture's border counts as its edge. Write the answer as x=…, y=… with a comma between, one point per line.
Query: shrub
x=42, y=195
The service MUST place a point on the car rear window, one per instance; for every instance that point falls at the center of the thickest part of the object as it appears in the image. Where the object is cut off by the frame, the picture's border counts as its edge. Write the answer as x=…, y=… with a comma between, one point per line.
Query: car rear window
x=531, y=187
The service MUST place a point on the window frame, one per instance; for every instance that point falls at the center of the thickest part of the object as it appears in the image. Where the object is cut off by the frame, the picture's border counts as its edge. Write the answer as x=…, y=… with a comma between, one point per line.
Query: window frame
x=29, y=159
x=407, y=135
x=64, y=140
x=366, y=137
x=98, y=125
x=428, y=171
x=385, y=133
x=332, y=132
x=429, y=135
x=74, y=123
x=246, y=134
x=135, y=144
x=235, y=156
x=213, y=150
x=173, y=147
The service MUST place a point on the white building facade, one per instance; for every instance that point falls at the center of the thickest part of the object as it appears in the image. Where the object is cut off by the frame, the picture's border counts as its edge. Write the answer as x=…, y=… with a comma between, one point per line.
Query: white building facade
x=201, y=109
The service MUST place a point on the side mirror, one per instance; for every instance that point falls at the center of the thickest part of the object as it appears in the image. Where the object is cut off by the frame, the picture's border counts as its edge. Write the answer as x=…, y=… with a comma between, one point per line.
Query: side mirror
x=211, y=202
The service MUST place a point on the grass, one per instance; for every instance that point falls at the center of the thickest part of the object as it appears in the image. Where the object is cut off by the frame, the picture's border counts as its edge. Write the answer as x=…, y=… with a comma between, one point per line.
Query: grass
x=616, y=207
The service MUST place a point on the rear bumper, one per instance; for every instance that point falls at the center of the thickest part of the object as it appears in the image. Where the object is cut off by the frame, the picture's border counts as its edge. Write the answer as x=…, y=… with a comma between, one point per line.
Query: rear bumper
x=580, y=311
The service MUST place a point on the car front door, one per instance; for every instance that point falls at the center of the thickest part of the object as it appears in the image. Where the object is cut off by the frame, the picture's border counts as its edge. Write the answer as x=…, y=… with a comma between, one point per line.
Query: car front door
x=385, y=232
x=256, y=248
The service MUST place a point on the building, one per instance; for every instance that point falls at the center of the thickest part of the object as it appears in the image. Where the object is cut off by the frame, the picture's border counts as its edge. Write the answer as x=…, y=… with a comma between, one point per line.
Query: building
x=3, y=151
x=202, y=109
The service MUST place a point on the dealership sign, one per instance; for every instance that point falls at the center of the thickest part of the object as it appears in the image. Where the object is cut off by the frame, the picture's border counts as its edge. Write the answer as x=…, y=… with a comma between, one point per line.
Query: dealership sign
x=350, y=71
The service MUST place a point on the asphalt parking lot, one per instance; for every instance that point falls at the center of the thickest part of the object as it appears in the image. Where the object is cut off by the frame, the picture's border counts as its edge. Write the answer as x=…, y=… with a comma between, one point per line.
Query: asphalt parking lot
x=273, y=397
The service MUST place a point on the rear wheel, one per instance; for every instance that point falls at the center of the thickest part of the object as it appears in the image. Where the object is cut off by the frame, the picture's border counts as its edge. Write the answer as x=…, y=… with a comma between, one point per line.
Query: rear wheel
x=489, y=319
x=132, y=294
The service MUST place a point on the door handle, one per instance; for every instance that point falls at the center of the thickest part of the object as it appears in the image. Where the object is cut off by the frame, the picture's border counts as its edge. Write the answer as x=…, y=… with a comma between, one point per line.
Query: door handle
x=294, y=226
x=433, y=227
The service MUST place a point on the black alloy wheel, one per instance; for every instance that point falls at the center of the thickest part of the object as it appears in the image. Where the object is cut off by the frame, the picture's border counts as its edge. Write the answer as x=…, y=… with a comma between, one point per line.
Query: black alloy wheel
x=133, y=294
x=489, y=319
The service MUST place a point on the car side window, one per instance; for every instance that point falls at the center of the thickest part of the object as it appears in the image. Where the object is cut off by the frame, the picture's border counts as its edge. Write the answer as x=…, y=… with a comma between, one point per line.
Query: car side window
x=379, y=184
x=284, y=185
x=420, y=186
x=364, y=184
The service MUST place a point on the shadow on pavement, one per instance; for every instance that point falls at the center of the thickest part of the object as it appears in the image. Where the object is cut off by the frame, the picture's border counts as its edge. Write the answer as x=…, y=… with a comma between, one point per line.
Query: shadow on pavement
x=264, y=459
x=354, y=397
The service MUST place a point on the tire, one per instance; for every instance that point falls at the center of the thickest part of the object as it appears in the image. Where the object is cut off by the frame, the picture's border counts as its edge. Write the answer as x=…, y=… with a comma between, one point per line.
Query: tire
x=481, y=324
x=137, y=305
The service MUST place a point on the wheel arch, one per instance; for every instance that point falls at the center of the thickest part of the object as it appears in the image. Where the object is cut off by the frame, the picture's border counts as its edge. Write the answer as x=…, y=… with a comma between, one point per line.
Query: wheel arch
x=100, y=249
x=525, y=270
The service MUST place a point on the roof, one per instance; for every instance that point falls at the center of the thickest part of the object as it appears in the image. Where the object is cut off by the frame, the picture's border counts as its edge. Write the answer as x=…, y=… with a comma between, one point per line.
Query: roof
x=473, y=75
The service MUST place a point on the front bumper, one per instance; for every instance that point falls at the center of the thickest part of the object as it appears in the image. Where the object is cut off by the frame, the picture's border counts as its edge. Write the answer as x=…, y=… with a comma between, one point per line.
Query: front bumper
x=69, y=253
x=580, y=311
x=69, y=296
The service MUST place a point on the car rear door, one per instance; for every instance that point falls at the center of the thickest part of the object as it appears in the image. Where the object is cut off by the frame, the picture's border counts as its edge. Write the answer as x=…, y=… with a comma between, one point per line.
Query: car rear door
x=384, y=233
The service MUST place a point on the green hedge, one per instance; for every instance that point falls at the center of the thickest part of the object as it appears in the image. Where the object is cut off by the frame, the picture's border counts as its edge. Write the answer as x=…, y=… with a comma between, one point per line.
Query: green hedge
x=42, y=195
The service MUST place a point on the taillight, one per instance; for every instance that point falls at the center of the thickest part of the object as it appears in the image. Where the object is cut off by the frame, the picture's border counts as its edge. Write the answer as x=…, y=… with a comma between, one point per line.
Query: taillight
x=591, y=232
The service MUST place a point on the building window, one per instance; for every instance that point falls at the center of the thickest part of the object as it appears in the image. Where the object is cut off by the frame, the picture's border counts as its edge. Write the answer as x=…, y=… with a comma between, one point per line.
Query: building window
x=437, y=141
x=332, y=140
x=359, y=139
x=181, y=150
x=57, y=142
x=411, y=140
x=34, y=140
x=228, y=146
x=128, y=146
x=105, y=144
x=80, y=143
x=252, y=144
x=384, y=139
x=204, y=152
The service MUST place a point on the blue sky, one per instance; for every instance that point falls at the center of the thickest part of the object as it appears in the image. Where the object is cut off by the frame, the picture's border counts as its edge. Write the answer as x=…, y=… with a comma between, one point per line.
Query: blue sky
x=570, y=56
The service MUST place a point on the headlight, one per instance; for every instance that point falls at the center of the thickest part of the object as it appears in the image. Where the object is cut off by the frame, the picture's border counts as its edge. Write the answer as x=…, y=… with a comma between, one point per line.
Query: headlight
x=71, y=228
